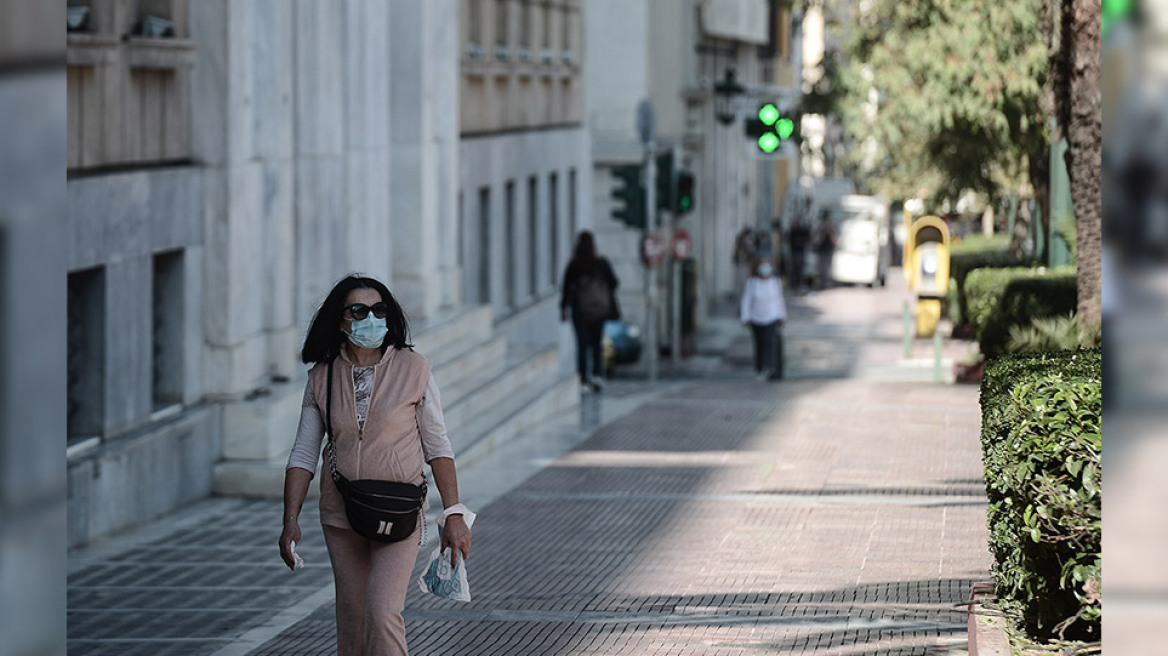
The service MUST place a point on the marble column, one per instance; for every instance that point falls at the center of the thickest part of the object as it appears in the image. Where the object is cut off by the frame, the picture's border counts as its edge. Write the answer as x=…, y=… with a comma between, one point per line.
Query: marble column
x=424, y=134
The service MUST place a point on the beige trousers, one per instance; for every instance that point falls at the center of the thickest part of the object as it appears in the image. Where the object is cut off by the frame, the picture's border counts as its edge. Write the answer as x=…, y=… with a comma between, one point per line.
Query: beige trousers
x=371, y=582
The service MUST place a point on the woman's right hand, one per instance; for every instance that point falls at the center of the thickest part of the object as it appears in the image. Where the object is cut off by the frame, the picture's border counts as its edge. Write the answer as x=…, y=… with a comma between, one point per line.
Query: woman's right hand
x=291, y=534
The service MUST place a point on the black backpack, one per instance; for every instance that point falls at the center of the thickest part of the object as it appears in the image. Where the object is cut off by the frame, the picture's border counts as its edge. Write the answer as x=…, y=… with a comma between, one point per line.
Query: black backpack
x=594, y=299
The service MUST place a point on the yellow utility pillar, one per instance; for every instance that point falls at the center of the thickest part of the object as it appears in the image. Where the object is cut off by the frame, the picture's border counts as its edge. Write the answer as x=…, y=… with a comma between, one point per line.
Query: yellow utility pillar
x=927, y=270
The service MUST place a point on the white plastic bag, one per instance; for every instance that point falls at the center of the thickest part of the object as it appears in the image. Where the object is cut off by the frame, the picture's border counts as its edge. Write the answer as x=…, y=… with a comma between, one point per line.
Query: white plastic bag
x=439, y=578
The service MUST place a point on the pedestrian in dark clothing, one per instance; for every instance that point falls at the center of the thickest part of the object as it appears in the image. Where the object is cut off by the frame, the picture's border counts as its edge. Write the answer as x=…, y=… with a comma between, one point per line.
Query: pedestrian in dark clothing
x=589, y=293
x=798, y=239
x=825, y=240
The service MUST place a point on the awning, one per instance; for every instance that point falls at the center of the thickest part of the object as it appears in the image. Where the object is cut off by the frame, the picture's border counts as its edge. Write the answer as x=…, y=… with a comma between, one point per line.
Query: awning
x=738, y=20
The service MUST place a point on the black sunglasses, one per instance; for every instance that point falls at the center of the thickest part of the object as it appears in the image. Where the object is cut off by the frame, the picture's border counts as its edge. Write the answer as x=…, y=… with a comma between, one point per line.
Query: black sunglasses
x=359, y=311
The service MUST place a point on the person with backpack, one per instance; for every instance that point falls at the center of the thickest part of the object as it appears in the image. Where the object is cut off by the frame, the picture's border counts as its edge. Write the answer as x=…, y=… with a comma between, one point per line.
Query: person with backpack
x=589, y=293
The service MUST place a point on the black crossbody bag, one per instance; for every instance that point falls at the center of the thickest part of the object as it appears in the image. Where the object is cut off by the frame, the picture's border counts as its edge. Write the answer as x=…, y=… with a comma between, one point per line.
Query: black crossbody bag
x=381, y=511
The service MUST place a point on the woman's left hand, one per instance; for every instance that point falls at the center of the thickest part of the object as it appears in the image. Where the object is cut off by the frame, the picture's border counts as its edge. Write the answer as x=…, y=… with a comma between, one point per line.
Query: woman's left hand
x=456, y=535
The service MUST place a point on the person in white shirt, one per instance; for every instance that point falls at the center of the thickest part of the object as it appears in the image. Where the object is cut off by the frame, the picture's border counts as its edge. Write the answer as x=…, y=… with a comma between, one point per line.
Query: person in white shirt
x=765, y=312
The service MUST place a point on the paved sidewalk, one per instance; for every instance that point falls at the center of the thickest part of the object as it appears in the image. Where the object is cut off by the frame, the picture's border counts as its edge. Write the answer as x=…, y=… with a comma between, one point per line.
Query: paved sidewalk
x=729, y=518
x=706, y=513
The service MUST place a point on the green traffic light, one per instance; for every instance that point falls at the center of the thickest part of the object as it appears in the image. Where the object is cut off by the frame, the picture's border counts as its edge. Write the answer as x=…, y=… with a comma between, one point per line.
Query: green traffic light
x=768, y=114
x=1113, y=10
x=768, y=142
x=785, y=128
x=685, y=203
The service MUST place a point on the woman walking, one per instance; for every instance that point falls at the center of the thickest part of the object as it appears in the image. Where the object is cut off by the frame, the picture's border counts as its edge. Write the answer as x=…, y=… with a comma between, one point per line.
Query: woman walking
x=589, y=291
x=387, y=422
x=765, y=312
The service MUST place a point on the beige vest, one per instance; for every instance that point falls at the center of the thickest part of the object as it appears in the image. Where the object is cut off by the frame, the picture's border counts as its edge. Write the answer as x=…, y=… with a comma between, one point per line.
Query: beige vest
x=389, y=447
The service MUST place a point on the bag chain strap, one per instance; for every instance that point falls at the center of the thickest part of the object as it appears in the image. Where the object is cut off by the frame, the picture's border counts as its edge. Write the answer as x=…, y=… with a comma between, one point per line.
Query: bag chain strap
x=332, y=444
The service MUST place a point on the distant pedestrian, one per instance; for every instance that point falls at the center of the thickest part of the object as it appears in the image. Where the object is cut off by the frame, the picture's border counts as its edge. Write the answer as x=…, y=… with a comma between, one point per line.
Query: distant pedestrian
x=825, y=241
x=744, y=255
x=589, y=295
x=388, y=422
x=765, y=312
x=799, y=237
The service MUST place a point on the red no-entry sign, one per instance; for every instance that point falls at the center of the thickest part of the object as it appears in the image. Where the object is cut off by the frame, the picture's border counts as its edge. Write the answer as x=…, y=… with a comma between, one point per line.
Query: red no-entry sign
x=682, y=245
x=653, y=249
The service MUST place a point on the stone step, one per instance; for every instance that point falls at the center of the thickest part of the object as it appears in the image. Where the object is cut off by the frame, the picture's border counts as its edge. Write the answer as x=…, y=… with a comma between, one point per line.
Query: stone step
x=552, y=400
x=503, y=406
x=446, y=336
x=526, y=372
x=265, y=478
x=256, y=478
x=465, y=372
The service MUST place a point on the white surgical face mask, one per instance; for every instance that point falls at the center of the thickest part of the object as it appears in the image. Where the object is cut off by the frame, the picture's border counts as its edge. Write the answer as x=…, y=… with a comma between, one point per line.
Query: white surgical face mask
x=368, y=332
x=765, y=271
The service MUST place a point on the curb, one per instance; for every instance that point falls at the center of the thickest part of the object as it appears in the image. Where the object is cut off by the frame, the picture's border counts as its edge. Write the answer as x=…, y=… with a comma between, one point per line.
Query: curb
x=987, y=633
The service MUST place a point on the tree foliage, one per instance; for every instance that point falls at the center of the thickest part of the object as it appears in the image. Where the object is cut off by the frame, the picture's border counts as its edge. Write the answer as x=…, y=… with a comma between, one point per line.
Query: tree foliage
x=958, y=88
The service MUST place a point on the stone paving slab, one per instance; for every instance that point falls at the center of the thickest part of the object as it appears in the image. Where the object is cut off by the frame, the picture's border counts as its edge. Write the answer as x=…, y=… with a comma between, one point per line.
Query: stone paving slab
x=193, y=586
x=831, y=514
x=729, y=517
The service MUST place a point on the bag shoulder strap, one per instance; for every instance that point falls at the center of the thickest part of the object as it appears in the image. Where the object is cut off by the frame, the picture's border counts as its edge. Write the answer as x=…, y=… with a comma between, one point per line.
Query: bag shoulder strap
x=331, y=449
x=329, y=402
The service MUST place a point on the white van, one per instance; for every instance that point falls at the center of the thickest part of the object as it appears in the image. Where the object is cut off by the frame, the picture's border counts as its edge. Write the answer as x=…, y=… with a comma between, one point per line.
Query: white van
x=862, y=253
x=825, y=194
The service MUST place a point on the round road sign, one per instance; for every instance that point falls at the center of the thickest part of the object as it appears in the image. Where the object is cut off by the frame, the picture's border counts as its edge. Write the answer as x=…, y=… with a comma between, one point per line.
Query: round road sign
x=682, y=244
x=653, y=249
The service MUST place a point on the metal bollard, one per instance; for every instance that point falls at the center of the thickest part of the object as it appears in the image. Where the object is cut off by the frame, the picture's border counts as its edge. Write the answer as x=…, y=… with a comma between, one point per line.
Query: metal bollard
x=937, y=377
x=909, y=329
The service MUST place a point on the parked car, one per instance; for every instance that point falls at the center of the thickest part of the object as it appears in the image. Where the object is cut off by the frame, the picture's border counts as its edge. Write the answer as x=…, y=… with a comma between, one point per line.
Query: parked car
x=621, y=344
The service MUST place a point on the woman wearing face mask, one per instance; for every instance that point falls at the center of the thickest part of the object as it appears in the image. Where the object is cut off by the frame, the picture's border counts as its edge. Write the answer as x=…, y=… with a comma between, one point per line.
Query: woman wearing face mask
x=388, y=421
x=765, y=312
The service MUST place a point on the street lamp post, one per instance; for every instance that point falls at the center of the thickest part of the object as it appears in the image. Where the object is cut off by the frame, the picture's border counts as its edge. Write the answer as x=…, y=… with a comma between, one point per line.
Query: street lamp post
x=725, y=90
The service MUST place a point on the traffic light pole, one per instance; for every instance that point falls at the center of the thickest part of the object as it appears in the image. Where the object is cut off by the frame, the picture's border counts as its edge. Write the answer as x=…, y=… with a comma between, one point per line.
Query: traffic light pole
x=651, y=271
x=675, y=270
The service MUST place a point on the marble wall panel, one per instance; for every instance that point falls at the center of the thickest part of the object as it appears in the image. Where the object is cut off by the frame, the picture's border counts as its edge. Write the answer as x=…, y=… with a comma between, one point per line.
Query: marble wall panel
x=320, y=242
x=270, y=56
x=320, y=77
x=128, y=338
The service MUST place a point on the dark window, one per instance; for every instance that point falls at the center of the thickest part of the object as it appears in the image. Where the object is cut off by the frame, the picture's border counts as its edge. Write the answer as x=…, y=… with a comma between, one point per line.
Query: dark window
x=474, y=32
x=554, y=222
x=85, y=395
x=573, y=227
x=484, y=245
x=533, y=235
x=525, y=23
x=501, y=21
x=167, y=365
x=461, y=231
x=509, y=238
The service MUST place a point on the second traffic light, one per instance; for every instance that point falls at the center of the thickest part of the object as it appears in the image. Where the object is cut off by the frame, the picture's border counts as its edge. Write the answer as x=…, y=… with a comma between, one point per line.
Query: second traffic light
x=685, y=193
x=630, y=196
x=679, y=199
x=629, y=191
x=770, y=129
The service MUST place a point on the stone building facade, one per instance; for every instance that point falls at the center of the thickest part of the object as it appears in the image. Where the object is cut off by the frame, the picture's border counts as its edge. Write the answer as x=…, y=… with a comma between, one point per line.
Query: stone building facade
x=229, y=160
x=674, y=54
x=524, y=159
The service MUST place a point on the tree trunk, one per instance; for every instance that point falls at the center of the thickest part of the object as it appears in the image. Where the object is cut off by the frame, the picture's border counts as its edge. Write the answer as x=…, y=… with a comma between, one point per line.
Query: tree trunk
x=1039, y=166
x=1078, y=102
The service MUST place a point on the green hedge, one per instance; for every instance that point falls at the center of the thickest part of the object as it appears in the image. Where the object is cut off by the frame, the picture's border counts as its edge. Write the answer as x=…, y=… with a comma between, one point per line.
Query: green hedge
x=962, y=261
x=1041, y=440
x=997, y=299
